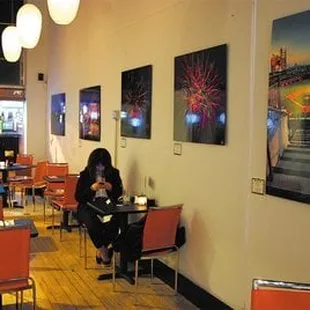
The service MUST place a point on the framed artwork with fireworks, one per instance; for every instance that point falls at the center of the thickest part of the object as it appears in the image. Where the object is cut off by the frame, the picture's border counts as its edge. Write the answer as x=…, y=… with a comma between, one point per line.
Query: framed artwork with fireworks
x=136, y=103
x=288, y=117
x=200, y=86
x=89, y=113
x=58, y=114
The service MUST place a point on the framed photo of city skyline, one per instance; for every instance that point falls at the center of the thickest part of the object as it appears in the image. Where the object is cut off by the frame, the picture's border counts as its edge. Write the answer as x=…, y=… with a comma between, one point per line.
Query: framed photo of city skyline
x=136, y=105
x=200, y=94
x=89, y=113
x=288, y=118
x=58, y=114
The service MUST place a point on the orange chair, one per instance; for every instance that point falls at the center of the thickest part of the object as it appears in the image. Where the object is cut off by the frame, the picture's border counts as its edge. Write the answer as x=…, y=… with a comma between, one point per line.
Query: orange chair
x=36, y=183
x=1, y=209
x=14, y=267
x=279, y=295
x=68, y=202
x=159, y=236
x=55, y=190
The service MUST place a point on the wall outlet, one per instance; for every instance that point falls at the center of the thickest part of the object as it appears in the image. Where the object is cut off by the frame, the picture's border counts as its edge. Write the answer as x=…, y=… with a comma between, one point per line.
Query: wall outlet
x=258, y=186
x=177, y=149
x=123, y=142
x=116, y=114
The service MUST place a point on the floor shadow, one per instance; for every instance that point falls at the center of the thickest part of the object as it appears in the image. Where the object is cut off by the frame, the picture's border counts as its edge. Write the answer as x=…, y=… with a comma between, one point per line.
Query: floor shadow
x=42, y=244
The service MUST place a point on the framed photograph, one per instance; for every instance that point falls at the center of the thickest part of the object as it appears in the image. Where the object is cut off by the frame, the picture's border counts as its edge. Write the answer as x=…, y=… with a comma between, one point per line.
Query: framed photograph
x=200, y=94
x=136, y=103
x=58, y=114
x=89, y=113
x=288, y=117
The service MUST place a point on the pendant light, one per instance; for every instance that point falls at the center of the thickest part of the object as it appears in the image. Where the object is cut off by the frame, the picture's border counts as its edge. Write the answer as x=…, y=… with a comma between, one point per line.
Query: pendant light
x=10, y=44
x=63, y=12
x=29, y=25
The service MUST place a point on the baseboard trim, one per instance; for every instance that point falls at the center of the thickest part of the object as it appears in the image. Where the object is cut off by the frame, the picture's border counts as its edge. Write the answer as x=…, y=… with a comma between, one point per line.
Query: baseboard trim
x=196, y=295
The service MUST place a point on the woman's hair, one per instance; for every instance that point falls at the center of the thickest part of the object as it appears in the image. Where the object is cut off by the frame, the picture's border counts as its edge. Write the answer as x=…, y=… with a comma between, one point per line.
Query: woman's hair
x=97, y=157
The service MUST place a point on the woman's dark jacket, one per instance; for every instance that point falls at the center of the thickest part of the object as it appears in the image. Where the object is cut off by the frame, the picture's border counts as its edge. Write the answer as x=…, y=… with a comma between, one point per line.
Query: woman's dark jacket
x=83, y=192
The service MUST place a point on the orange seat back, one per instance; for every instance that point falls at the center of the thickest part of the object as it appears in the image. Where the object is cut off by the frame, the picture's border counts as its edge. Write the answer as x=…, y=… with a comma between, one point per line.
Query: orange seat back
x=40, y=171
x=15, y=243
x=24, y=159
x=70, y=186
x=161, y=227
x=272, y=298
x=1, y=209
x=57, y=169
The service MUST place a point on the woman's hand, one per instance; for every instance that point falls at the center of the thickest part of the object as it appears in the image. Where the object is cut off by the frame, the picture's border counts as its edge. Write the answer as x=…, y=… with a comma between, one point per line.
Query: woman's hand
x=97, y=185
x=108, y=186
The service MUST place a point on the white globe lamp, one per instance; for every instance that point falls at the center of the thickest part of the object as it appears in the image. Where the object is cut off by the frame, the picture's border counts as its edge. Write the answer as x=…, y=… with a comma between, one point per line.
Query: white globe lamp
x=10, y=44
x=63, y=12
x=29, y=25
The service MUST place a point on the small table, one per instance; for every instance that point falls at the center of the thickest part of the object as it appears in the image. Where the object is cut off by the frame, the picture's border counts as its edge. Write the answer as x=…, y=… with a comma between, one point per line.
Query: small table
x=5, y=171
x=123, y=211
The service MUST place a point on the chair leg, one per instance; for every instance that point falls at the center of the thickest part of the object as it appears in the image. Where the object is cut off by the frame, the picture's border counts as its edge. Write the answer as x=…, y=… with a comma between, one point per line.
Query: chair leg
x=44, y=208
x=22, y=300
x=33, y=198
x=152, y=269
x=113, y=271
x=80, y=240
x=176, y=272
x=53, y=220
x=34, y=295
x=16, y=299
x=136, y=280
x=85, y=248
x=60, y=230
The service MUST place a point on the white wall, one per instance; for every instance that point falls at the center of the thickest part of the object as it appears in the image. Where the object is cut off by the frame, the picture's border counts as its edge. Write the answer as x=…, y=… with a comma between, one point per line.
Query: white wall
x=278, y=233
x=233, y=236
x=36, y=91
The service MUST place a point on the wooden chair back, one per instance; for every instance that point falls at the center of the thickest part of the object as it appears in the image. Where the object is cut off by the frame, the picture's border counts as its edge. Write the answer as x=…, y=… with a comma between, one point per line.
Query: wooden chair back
x=161, y=227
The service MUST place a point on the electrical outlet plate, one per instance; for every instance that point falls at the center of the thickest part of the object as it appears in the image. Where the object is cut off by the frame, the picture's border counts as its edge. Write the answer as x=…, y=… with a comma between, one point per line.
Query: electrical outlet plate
x=258, y=186
x=177, y=149
x=123, y=142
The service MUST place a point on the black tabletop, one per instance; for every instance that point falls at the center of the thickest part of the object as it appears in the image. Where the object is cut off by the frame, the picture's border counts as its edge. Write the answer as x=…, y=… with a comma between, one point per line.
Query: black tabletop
x=54, y=179
x=102, y=208
x=15, y=167
x=27, y=223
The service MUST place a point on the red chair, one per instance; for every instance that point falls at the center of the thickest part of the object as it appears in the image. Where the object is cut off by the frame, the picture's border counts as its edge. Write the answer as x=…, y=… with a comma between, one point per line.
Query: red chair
x=36, y=183
x=159, y=236
x=14, y=267
x=68, y=202
x=1, y=209
x=280, y=295
x=55, y=190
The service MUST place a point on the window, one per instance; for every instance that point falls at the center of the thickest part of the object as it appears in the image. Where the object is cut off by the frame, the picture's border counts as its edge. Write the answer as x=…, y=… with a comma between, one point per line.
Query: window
x=10, y=73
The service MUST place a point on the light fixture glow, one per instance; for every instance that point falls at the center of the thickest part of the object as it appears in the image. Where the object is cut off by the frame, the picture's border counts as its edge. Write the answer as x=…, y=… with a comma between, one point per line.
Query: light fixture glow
x=29, y=24
x=63, y=12
x=10, y=44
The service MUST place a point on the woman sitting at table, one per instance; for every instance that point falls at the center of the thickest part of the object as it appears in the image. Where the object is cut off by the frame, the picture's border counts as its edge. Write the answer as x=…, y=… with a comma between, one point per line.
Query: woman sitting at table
x=99, y=179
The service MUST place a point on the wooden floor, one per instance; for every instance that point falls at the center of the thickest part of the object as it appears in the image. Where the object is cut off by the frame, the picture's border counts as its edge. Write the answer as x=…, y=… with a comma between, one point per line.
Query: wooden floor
x=63, y=283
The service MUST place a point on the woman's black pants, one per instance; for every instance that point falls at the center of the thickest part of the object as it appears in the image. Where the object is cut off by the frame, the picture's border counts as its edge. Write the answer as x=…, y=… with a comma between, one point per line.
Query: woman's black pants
x=100, y=233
